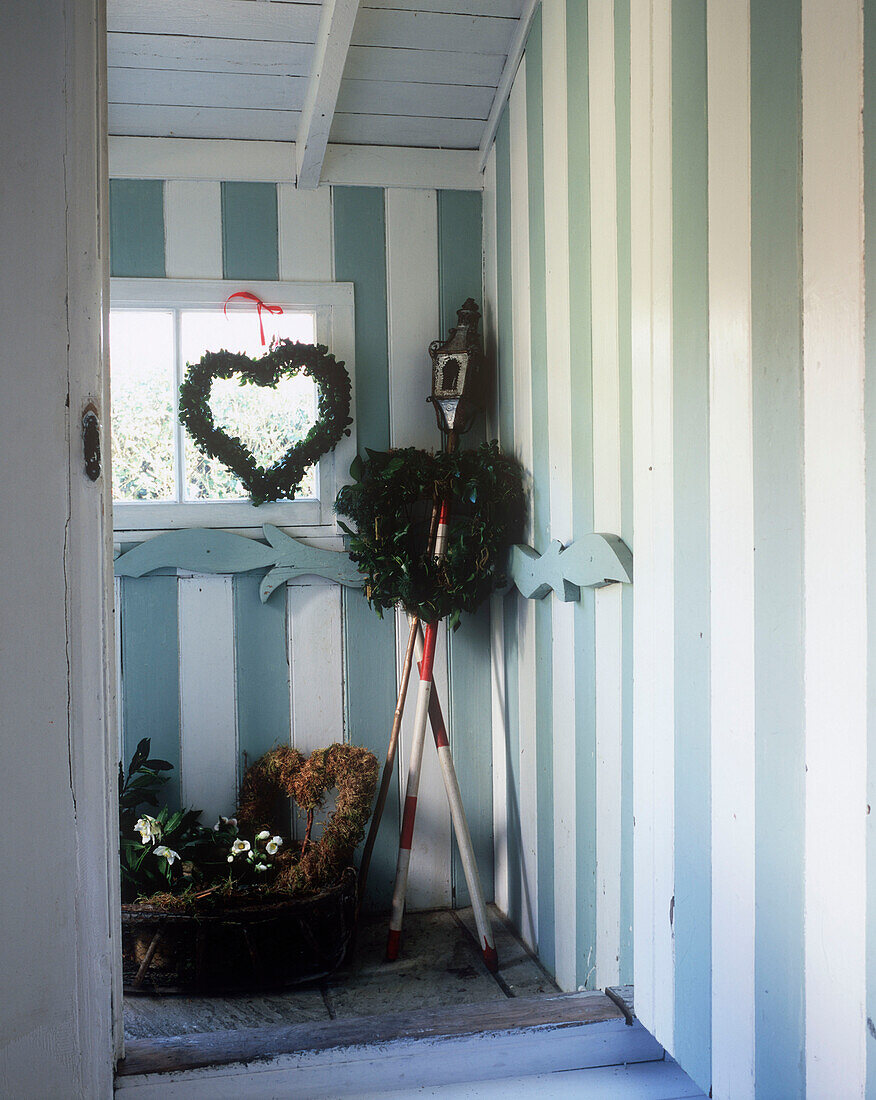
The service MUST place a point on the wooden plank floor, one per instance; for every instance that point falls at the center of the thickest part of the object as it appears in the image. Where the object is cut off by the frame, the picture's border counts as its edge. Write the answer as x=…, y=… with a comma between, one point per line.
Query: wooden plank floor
x=439, y=966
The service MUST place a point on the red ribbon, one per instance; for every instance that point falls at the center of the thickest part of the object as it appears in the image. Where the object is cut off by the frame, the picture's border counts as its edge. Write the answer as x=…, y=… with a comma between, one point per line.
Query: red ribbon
x=260, y=305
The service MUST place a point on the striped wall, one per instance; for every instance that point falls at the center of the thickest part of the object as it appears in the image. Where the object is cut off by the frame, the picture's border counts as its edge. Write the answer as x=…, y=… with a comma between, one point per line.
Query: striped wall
x=674, y=224
x=211, y=674
x=557, y=216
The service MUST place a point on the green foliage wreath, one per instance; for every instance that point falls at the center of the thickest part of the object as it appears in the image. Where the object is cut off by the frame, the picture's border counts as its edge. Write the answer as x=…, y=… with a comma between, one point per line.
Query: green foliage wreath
x=391, y=505
x=282, y=480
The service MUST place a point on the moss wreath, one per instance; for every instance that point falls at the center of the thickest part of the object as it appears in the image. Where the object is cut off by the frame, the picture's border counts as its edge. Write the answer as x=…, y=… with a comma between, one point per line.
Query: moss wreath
x=391, y=505
x=282, y=480
x=284, y=772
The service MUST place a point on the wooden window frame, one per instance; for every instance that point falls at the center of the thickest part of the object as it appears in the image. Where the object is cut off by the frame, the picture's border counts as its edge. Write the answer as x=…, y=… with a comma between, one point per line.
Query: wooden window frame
x=333, y=304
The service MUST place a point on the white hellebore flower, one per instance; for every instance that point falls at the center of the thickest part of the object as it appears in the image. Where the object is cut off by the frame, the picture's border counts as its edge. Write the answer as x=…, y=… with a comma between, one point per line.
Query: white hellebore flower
x=261, y=867
x=273, y=845
x=167, y=853
x=263, y=835
x=223, y=822
x=148, y=828
x=239, y=846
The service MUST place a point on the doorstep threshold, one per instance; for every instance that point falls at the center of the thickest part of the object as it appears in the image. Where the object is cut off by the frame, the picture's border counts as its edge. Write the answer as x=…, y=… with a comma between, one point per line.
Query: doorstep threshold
x=343, y=1038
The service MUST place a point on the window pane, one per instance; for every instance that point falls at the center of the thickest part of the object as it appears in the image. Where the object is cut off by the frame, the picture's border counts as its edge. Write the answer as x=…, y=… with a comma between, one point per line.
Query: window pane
x=143, y=402
x=268, y=421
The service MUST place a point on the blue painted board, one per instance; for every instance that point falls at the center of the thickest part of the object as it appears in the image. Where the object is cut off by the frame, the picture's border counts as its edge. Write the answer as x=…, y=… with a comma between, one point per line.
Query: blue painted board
x=137, y=229
x=519, y=907
x=360, y=258
x=250, y=242
x=777, y=409
x=540, y=492
x=624, y=304
x=262, y=662
x=370, y=675
x=690, y=306
x=150, y=672
x=471, y=741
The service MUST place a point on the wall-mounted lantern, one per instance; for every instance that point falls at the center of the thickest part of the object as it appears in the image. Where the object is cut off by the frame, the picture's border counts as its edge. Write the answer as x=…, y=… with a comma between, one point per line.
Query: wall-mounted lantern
x=457, y=372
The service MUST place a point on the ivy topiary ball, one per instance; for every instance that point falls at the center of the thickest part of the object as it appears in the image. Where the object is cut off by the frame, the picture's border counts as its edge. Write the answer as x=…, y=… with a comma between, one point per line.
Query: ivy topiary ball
x=391, y=505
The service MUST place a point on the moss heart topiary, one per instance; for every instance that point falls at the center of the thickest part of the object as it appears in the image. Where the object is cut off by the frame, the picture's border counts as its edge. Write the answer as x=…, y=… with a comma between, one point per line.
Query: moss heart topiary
x=286, y=359
x=285, y=772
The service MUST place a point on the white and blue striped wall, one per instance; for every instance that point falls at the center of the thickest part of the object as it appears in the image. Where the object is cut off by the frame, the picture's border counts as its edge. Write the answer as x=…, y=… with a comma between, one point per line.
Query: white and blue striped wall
x=674, y=215
x=211, y=674
x=558, y=288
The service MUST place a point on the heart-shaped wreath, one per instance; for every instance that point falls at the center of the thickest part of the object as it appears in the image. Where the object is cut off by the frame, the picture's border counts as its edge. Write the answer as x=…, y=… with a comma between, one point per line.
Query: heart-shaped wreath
x=391, y=505
x=284, y=772
x=282, y=480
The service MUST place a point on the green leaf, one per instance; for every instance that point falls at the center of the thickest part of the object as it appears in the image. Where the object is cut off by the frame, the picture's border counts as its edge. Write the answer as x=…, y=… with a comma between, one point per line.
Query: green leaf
x=140, y=755
x=159, y=765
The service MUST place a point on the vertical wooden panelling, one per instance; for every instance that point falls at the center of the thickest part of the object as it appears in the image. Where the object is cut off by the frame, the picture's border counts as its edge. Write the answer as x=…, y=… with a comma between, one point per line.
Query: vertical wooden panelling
x=505, y=352
x=622, y=176
x=834, y=545
x=150, y=672
x=305, y=233
x=870, y=427
x=460, y=276
x=370, y=683
x=193, y=221
x=606, y=481
x=560, y=646
x=731, y=518
x=528, y=694
x=654, y=643
x=531, y=411
x=316, y=663
x=120, y=688
x=262, y=670
x=690, y=563
x=369, y=642
x=777, y=418
x=137, y=228
x=460, y=261
x=498, y=689
x=249, y=230
x=412, y=291
x=208, y=711
x=360, y=258
x=413, y=321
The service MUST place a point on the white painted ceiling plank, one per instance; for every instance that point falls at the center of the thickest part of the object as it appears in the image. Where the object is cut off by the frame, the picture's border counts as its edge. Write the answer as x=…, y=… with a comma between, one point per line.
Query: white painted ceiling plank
x=515, y=52
x=505, y=9
x=374, y=97
x=209, y=55
x=424, y=66
x=416, y=132
x=333, y=42
x=235, y=19
x=412, y=29
x=145, y=87
x=201, y=122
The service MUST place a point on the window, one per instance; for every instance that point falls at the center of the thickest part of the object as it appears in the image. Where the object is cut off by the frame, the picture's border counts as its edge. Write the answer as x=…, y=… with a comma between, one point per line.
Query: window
x=157, y=327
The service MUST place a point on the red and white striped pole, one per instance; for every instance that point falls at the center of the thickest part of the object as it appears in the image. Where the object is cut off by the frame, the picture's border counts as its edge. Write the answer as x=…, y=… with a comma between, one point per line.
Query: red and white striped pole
x=418, y=739
x=460, y=825
x=409, y=814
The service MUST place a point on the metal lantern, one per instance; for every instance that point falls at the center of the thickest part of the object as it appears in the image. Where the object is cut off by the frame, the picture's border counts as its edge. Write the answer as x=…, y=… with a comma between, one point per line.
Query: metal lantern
x=457, y=370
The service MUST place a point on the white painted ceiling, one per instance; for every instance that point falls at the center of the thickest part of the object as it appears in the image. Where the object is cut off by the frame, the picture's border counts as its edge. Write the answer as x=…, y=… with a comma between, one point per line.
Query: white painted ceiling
x=418, y=73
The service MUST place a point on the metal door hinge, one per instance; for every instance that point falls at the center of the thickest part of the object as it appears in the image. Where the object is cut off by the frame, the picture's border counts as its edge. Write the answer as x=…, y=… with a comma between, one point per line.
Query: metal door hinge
x=91, y=442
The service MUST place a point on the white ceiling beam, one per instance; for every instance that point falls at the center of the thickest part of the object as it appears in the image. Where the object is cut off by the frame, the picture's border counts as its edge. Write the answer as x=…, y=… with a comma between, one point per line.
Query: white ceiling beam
x=332, y=44
x=515, y=52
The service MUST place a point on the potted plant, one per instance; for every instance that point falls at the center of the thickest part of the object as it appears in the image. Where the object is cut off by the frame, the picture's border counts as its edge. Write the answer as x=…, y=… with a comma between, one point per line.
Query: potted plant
x=241, y=906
